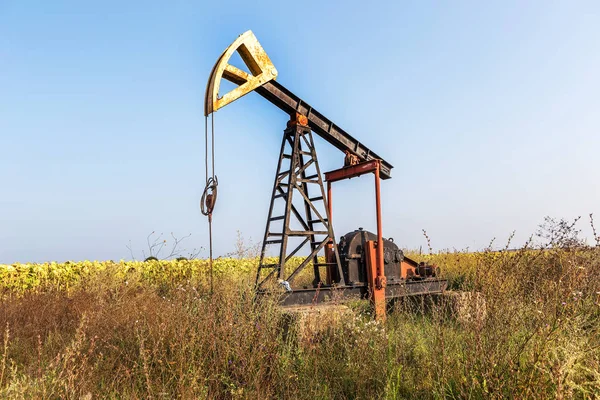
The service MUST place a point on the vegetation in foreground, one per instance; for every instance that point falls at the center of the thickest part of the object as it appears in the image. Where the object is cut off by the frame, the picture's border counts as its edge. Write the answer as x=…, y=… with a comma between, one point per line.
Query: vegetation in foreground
x=530, y=328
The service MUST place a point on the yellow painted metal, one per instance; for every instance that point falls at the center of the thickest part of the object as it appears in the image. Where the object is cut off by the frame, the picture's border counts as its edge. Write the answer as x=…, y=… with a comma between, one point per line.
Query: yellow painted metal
x=254, y=56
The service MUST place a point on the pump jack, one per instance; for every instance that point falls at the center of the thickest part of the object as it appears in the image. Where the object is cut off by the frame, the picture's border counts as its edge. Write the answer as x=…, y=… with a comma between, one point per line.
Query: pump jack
x=362, y=264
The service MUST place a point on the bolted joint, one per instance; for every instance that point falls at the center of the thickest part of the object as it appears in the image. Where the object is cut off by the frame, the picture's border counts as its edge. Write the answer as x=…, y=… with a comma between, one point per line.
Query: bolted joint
x=350, y=159
x=297, y=119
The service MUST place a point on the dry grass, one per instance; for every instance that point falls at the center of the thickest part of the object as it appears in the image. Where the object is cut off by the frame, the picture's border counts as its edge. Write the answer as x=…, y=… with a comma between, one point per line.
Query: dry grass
x=538, y=336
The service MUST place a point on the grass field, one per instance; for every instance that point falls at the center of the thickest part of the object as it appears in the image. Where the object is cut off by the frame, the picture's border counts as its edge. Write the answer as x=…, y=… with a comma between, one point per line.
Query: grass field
x=153, y=330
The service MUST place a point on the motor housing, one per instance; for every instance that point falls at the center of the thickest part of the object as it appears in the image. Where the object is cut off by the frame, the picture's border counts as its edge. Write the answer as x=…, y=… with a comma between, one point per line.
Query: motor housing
x=397, y=267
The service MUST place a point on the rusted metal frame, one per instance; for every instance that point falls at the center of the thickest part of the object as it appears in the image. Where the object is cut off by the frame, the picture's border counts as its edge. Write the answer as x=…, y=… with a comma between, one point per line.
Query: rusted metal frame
x=329, y=206
x=380, y=280
x=375, y=260
x=392, y=291
x=307, y=233
x=307, y=210
x=304, y=190
x=296, y=213
x=327, y=223
x=310, y=203
x=281, y=176
x=288, y=205
x=309, y=143
x=352, y=171
x=312, y=154
x=298, y=169
x=302, y=170
x=380, y=270
x=328, y=270
x=290, y=138
x=303, y=178
x=297, y=180
x=270, y=214
x=293, y=253
x=377, y=292
x=287, y=101
x=307, y=260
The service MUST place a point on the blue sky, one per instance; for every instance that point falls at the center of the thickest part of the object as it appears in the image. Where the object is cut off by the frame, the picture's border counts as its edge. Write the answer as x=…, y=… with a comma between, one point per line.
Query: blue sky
x=489, y=112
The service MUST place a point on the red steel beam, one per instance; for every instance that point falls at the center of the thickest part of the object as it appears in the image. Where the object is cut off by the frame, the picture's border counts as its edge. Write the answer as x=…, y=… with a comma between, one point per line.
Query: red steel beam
x=380, y=281
x=374, y=250
x=352, y=171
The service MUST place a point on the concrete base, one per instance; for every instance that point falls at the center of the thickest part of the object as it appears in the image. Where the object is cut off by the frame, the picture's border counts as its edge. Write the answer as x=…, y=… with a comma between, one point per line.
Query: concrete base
x=305, y=323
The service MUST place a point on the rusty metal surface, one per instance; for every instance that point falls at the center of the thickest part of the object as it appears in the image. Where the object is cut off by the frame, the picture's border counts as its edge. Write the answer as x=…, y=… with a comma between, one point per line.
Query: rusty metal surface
x=379, y=247
x=256, y=59
x=327, y=294
x=352, y=171
x=296, y=156
x=375, y=278
x=350, y=159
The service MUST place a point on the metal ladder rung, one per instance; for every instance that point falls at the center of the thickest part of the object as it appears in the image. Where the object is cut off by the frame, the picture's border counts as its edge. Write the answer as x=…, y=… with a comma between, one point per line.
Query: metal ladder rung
x=316, y=198
x=283, y=173
x=274, y=241
x=269, y=266
x=275, y=234
x=312, y=176
x=312, y=221
x=277, y=196
x=277, y=218
x=307, y=233
x=288, y=156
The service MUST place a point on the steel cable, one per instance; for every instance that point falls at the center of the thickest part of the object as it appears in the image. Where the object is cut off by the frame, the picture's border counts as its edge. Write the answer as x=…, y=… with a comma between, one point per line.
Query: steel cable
x=209, y=195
